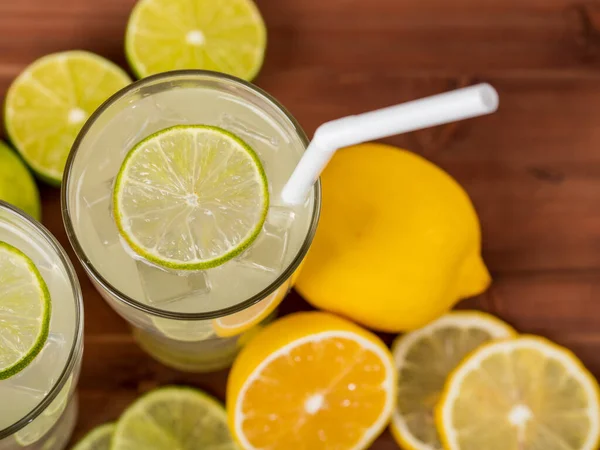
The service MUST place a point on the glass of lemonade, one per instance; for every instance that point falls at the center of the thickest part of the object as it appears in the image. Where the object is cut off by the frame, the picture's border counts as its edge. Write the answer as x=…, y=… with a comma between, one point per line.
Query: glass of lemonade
x=38, y=409
x=193, y=319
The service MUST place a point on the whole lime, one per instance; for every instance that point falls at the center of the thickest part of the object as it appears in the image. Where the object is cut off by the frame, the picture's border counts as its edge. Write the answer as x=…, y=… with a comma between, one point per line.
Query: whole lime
x=17, y=186
x=398, y=243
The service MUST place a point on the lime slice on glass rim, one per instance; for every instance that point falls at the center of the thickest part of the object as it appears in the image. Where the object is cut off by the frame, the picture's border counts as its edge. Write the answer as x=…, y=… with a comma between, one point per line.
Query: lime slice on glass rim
x=24, y=311
x=173, y=418
x=190, y=197
x=97, y=439
x=221, y=35
x=48, y=103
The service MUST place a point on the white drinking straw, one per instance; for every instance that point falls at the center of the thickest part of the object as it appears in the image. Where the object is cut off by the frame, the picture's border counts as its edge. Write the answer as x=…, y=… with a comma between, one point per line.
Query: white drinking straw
x=423, y=113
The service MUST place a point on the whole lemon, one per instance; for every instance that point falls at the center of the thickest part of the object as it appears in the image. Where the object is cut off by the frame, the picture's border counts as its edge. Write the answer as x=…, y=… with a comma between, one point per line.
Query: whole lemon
x=398, y=243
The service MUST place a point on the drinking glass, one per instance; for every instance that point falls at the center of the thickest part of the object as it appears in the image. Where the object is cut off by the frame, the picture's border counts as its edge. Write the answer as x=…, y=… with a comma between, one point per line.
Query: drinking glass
x=190, y=320
x=38, y=404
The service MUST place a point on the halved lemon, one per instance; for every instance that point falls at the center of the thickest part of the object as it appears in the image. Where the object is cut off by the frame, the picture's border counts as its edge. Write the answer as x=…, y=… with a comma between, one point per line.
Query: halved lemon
x=311, y=381
x=523, y=393
x=190, y=197
x=424, y=358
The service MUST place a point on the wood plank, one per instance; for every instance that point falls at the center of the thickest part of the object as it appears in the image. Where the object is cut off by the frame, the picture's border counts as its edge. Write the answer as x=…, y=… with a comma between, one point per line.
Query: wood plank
x=561, y=306
x=431, y=36
x=532, y=169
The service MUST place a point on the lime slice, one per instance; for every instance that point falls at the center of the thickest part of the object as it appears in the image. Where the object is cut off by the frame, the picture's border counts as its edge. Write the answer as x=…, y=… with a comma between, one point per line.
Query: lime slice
x=190, y=197
x=38, y=428
x=24, y=311
x=17, y=186
x=221, y=35
x=48, y=103
x=97, y=439
x=173, y=418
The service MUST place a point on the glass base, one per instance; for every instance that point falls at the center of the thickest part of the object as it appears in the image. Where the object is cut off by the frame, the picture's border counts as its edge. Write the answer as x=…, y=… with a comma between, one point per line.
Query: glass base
x=56, y=438
x=60, y=436
x=202, y=356
x=206, y=355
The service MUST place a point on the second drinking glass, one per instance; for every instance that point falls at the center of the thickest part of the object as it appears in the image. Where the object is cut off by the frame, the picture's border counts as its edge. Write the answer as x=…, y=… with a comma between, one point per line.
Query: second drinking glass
x=194, y=320
x=38, y=405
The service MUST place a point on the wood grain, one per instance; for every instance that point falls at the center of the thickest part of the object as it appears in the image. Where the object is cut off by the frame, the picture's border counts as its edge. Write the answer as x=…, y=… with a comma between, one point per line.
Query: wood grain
x=532, y=169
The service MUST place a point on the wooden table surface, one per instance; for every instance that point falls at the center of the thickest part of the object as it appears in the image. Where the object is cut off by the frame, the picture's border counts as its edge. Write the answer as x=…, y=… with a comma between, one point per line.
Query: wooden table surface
x=532, y=169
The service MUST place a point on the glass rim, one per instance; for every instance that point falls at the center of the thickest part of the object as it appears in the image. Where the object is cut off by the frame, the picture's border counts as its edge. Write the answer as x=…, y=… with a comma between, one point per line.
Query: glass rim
x=76, y=347
x=151, y=310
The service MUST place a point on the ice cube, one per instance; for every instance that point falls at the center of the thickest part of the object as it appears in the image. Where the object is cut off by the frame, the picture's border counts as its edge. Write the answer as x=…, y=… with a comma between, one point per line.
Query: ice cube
x=98, y=201
x=244, y=130
x=162, y=287
x=279, y=219
x=38, y=378
x=268, y=251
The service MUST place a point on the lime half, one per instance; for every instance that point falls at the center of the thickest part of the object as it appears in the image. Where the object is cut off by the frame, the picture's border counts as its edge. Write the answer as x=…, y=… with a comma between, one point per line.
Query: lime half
x=48, y=103
x=222, y=35
x=97, y=439
x=173, y=418
x=24, y=311
x=190, y=197
x=17, y=186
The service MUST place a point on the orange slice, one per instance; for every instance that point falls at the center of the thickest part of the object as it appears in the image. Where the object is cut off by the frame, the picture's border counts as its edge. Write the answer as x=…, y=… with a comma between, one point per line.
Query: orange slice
x=242, y=321
x=311, y=381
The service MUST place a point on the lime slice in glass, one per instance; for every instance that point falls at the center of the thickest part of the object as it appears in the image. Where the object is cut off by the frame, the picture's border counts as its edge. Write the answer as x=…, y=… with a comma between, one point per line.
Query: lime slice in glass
x=48, y=103
x=190, y=197
x=17, y=186
x=222, y=35
x=24, y=311
x=97, y=439
x=173, y=418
